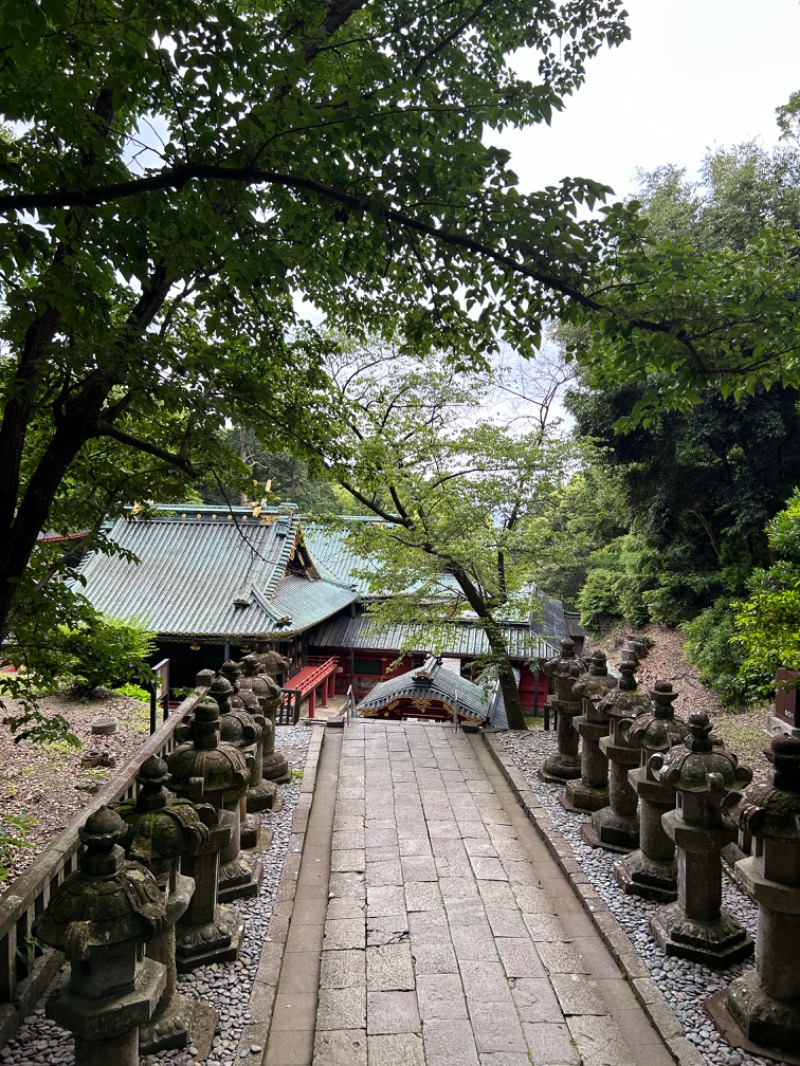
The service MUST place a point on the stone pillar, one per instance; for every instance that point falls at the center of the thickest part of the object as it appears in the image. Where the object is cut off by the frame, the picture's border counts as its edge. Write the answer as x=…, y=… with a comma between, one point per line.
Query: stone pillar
x=651, y=871
x=765, y=1002
x=591, y=792
x=564, y=669
x=206, y=770
x=696, y=926
x=100, y=917
x=161, y=829
x=616, y=827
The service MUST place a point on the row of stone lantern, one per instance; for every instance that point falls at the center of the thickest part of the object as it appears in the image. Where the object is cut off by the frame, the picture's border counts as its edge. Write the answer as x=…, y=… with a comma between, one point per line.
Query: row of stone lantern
x=689, y=793
x=171, y=893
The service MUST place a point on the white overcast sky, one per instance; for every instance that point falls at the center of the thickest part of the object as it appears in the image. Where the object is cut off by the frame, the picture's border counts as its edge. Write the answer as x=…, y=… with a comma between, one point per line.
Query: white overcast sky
x=696, y=74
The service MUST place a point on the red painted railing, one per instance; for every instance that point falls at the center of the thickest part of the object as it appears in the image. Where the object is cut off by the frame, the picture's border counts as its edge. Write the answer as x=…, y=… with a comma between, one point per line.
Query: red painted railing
x=317, y=672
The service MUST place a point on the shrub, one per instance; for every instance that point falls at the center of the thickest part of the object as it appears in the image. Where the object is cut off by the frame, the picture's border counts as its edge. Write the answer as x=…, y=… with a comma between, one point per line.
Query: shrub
x=103, y=652
x=133, y=692
x=599, y=600
x=710, y=645
x=612, y=591
x=768, y=622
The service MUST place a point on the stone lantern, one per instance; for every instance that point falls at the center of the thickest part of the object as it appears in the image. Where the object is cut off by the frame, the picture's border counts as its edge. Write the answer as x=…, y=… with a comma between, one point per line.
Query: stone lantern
x=633, y=650
x=564, y=669
x=161, y=829
x=240, y=728
x=591, y=792
x=261, y=794
x=270, y=662
x=616, y=827
x=765, y=1002
x=705, y=779
x=100, y=917
x=221, y=765
x=651, y=871
x=206, y=770
x=275, y=766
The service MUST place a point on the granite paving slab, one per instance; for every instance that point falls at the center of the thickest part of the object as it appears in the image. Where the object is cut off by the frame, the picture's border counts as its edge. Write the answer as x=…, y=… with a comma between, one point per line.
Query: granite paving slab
x=448, y=934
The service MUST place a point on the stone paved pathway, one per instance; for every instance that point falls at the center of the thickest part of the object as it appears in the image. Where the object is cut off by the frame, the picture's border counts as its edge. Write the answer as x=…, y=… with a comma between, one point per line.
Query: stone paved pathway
x=451, y=937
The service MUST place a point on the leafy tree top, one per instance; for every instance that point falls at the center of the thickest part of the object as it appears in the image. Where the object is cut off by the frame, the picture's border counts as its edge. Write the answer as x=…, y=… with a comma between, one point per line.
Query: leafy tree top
x=265, y=149
x=702, y=290
x=175, y=174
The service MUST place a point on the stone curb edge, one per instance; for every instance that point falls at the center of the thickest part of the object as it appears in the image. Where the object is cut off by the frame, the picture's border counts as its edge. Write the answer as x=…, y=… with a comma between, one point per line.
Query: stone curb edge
x=262, y=996
x=644, y=988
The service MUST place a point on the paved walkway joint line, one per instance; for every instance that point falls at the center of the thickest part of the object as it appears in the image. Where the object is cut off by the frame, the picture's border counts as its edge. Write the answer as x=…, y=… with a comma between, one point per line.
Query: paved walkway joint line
x=431, y=926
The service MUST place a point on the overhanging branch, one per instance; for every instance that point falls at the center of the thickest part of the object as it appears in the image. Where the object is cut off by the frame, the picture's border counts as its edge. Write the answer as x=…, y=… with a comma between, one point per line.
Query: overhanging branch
x=180, y=462
x=180, y=176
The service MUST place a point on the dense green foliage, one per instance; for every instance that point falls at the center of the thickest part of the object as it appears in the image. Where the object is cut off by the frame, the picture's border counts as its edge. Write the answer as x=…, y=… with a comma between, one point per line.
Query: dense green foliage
x=702, y=294
x=768, y=621
x=698, y=484
x=179, y=181
x=80, y=656
x=588, y=512
x=105, y=653
x=710, y=645
x=279, y=476
x=612, y=591
x=739, y=644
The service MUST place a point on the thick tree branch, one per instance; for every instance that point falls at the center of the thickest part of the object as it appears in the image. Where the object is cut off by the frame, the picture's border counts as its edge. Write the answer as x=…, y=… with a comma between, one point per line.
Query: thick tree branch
x=180, y=176
x=179, y=461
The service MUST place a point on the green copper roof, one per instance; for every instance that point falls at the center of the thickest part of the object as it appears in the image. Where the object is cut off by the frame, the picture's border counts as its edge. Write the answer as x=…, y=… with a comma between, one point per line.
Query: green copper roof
x=206, y=572
x=462, y=639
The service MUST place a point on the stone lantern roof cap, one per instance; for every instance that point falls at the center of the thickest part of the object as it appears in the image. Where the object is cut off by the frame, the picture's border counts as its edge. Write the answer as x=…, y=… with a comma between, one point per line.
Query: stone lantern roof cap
x=596, y=681
x=772, y=810
x=237, y=725
x=107, y=900
x=162, y=826
x=692, y=767
x=626, y=700
x=658, y=728
x=567, y=664
x=205, y=765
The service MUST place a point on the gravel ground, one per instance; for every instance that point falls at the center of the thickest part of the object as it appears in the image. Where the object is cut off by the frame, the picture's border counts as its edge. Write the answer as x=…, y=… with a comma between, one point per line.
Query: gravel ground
x=226, y=986
x=684, y=984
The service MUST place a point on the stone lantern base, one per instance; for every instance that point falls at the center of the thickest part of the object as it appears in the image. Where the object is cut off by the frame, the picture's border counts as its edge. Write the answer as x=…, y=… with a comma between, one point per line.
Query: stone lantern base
x=558, y=769
x=261, y=797
x=762, y=1019
x=217, y=941
x=581, y=797
x=717, y=944
x=177, y=1025
x=613, y=832
x=239, y=879
x=107, y=1029
x=648, y=878
x=275, y=767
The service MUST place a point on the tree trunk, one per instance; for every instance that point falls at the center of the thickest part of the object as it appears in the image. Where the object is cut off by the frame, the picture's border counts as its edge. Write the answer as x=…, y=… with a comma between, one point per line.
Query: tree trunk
x=497, y=642
x=505, y=674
